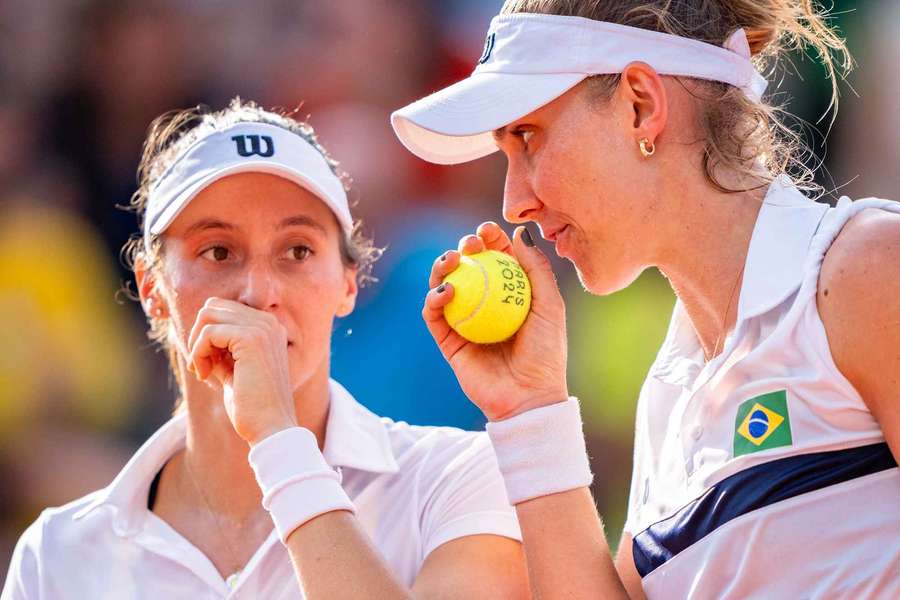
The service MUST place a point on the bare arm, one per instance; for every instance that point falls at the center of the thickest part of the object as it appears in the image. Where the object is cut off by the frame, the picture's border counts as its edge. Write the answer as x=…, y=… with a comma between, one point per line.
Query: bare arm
x=333, y=558
x=859, y=302
x=474, y=567
x=565, y=548
x=627, y=571
x=332, y=555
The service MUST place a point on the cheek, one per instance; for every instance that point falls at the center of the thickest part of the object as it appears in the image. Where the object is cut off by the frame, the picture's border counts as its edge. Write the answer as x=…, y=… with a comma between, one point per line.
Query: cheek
x=314, y=299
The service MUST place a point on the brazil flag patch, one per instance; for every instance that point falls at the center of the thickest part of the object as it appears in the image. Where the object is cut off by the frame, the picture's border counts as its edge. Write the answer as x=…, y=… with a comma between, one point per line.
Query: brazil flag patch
x=762, y=423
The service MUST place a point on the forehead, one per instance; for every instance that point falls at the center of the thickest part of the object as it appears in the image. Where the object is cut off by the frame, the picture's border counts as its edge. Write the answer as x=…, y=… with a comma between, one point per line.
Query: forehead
x=256, y=199
x=550, y=112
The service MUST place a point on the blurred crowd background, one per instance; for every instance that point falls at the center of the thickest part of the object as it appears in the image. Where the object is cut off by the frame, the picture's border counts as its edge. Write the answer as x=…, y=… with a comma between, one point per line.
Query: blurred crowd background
x=80, y=80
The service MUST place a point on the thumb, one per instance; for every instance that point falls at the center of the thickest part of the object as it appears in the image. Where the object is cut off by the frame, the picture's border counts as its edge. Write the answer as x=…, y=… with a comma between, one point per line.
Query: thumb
x=544, y=288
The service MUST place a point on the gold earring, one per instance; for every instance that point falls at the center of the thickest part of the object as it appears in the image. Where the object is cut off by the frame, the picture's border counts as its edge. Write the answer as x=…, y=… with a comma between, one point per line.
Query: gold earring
x=647, y=147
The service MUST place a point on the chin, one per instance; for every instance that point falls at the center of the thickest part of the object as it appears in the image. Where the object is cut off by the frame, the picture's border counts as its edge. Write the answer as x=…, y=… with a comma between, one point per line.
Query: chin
x=603, y=281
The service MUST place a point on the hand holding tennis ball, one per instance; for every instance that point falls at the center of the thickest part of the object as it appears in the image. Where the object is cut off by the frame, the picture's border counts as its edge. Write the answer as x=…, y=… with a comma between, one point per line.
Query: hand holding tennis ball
x=492, y=297
x=510, y=356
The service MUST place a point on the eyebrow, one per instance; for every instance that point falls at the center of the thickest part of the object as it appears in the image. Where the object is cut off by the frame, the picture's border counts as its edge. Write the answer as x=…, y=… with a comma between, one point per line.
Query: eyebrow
x=500, y=133
x=295, y=221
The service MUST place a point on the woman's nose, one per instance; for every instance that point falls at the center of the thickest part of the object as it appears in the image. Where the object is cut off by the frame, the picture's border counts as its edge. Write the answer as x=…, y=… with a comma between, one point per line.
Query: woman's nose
x=519, y=201
x=260, y=288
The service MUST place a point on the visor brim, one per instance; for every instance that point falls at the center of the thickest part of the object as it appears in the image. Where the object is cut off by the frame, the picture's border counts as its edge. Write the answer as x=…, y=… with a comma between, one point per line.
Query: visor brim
x=455, y=124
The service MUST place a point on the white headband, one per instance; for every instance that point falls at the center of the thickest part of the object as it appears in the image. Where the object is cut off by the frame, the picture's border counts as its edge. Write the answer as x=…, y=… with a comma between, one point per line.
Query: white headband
x=531, y=59
x=241, y=148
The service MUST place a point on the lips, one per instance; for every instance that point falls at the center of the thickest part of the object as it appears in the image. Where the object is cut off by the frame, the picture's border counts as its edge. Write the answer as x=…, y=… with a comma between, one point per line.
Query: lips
x=561, y=239
x=551, y=234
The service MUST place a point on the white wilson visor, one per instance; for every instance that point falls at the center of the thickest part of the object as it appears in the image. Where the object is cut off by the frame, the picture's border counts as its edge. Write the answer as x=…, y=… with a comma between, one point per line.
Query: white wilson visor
x=240, y=148
x=531, y=59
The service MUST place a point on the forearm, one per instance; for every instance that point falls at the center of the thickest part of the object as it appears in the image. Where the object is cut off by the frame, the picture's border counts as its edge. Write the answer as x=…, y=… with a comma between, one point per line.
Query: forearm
x=314, y=517
x=566, y=549
x=333, y=558
x=542, y=456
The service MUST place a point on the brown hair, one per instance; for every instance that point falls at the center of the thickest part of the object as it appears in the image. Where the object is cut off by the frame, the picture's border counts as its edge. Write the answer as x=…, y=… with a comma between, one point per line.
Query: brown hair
x=738, y=131
x=172, y=133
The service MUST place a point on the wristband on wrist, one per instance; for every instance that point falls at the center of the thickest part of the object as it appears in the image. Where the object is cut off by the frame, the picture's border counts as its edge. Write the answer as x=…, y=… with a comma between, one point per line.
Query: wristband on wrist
x=296, y=482
x=541, y=451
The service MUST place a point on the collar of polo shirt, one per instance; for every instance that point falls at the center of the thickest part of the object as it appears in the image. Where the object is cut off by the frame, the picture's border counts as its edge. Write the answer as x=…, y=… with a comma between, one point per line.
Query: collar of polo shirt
x=356, y=439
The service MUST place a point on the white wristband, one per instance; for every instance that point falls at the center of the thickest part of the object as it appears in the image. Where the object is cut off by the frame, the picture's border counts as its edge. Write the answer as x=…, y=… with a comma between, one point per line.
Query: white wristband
x=296, y=482
x=541, y=451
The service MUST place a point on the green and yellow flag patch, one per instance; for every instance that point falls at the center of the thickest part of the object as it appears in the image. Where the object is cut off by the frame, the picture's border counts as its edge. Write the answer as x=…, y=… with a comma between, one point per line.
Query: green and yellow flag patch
x=762, y=423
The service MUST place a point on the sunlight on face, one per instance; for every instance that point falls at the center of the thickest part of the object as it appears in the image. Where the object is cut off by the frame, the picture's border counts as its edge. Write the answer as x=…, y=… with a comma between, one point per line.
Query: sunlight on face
x=573, y=170
x=264, y=241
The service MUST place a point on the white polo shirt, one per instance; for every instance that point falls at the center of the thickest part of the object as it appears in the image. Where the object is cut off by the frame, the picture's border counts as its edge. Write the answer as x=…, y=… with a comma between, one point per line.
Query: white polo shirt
x=762, y=474
x=414, y=488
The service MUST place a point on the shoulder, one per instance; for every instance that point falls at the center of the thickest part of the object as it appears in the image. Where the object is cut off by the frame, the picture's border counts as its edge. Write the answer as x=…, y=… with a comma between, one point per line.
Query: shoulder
x=862, y=257
x=56, y=530
x=860, y=276
x=436, y=447
x=857, y=293
x=68, y=524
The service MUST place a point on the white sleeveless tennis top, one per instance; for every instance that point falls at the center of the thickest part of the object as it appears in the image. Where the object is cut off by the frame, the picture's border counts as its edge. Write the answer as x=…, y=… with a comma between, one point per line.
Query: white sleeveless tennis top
x=762, y=474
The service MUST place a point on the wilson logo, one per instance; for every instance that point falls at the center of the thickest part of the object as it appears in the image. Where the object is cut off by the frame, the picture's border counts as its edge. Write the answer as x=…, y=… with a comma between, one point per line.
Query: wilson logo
x=255, y=143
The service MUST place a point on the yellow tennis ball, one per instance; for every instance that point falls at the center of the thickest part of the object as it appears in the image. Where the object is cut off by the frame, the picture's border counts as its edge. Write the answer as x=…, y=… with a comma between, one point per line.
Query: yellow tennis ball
x=491, y=297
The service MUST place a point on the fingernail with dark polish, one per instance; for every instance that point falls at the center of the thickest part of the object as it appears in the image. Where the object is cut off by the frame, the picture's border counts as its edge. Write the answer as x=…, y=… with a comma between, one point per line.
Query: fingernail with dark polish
x=526, y=237
x=440, y=289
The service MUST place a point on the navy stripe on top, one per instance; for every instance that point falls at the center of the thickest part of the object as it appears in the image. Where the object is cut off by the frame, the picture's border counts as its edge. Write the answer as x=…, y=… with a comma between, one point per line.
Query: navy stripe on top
x=752, y=489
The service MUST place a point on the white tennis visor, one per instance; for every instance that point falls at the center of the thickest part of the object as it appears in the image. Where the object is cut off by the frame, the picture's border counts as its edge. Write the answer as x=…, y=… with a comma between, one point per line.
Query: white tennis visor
x=240, y=148
x=531, y=59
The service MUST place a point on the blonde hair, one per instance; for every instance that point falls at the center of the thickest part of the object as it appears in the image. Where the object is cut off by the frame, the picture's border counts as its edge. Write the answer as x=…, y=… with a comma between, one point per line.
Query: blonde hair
x=172, y=133
x=738, y=132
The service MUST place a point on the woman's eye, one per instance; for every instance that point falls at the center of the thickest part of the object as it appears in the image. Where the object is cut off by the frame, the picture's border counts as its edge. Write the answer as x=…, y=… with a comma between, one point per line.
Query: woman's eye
x=299, y=252
x=524, y=135
x=216, y=253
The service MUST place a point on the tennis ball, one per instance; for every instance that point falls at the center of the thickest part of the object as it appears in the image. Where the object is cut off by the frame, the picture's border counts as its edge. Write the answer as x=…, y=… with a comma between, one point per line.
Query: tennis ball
x=491, y=297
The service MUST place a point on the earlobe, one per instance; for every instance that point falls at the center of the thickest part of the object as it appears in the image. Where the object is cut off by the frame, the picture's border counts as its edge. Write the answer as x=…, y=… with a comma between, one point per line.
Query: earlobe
x=346, y=307
x=146, y=287
x=349, y=302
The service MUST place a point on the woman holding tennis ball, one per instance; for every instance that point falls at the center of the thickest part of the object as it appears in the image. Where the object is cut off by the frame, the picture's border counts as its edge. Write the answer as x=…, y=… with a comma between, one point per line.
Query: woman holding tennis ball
x=637, y=135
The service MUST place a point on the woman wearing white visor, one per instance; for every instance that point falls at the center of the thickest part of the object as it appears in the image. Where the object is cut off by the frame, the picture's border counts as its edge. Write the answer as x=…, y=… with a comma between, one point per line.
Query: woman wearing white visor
x=768, y=427
x=248, y=254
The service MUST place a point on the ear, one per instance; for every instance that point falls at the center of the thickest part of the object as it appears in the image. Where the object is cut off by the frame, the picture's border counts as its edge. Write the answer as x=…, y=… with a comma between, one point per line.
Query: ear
x=152, y=301
x=645, y=93
x=351, y=290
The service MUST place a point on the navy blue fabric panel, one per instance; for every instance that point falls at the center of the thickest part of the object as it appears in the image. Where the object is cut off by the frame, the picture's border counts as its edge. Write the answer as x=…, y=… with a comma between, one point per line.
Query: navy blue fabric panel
x=752, y=489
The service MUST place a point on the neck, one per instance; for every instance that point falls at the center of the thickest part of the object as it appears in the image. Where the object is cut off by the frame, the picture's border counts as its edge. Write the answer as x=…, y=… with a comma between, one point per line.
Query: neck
x=704, y=262
x=215, y=457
